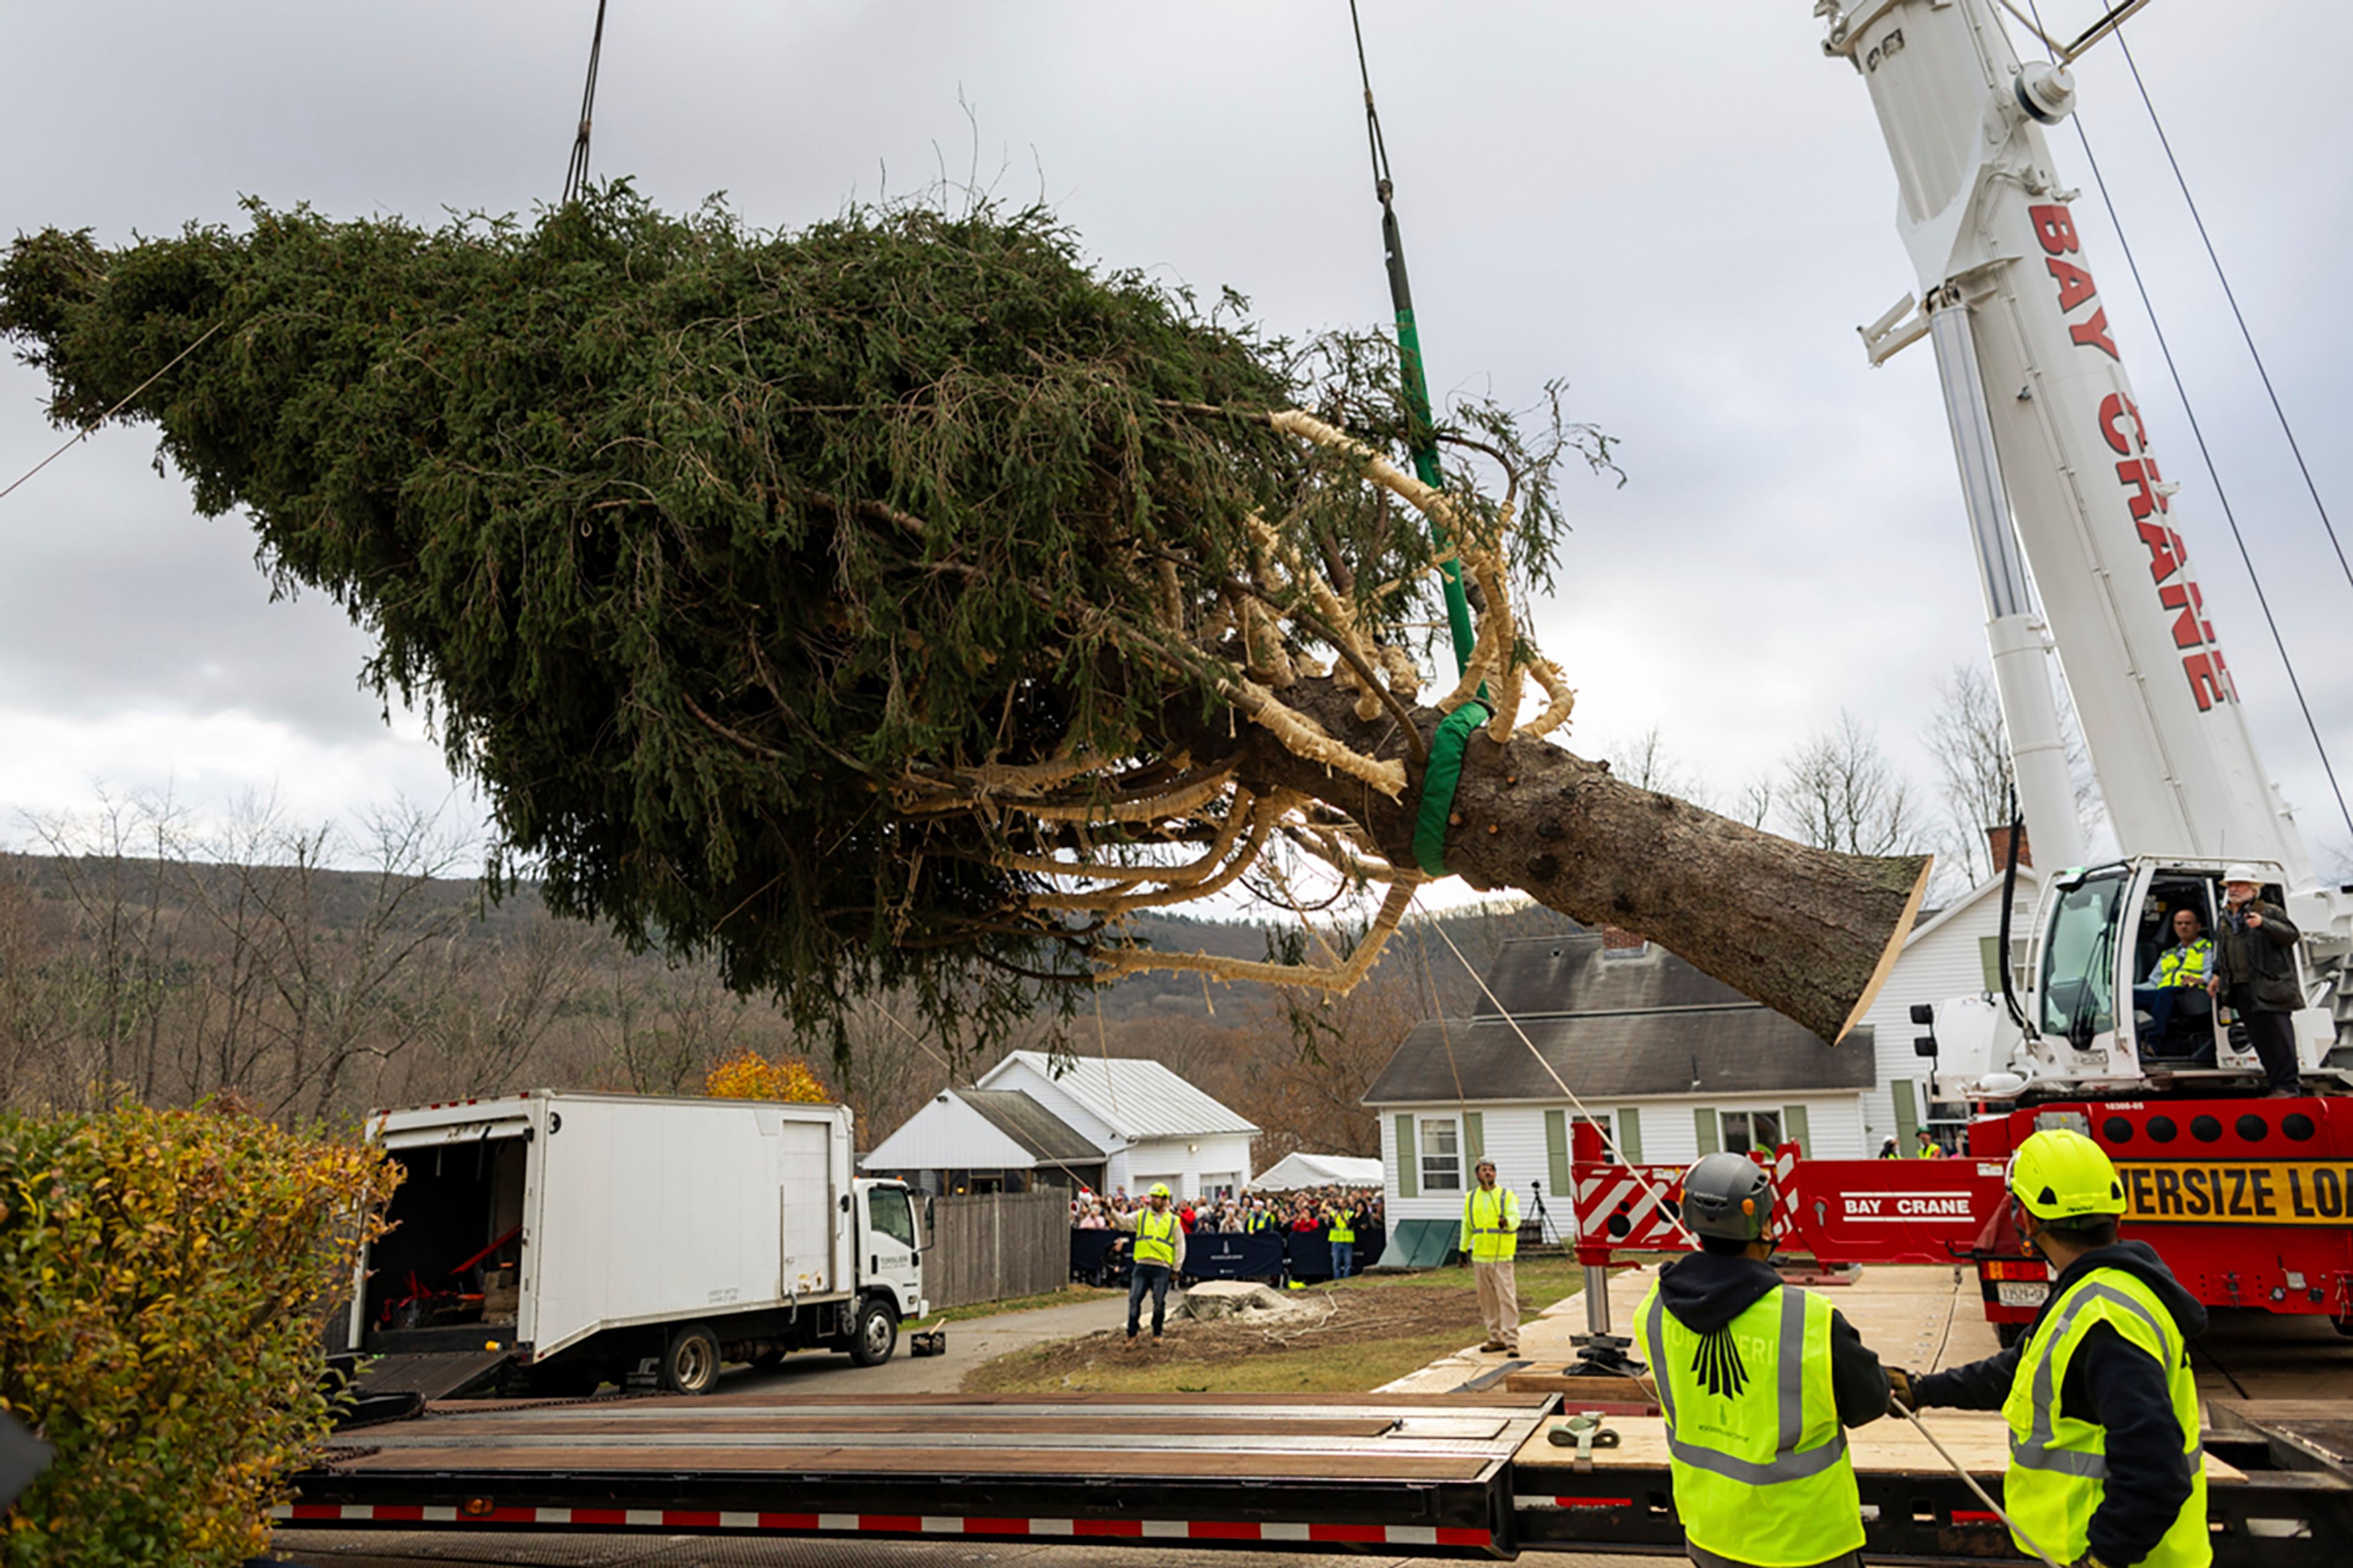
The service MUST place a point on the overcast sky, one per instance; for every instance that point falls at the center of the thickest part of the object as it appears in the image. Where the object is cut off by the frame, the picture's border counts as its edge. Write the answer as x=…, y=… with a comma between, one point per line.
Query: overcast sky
x=1682, y=210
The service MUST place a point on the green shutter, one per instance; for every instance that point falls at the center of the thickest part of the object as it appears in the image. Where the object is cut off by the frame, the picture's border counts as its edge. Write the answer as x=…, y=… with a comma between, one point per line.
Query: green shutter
x=1409, y=1158
x=1703, y=1120
x=1794, y=1129
x=1556, y=1149
x=1989, y=961
x=1907, y=1118
x=1629, y=1135
x=1474, y=1146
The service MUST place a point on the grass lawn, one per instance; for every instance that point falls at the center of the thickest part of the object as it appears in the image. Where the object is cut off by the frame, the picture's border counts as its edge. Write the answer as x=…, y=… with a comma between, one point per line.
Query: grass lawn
x=1362, y=1333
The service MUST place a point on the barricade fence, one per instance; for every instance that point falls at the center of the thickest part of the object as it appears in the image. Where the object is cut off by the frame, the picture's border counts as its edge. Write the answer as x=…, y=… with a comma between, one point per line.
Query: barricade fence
x=1274, y=1256
x=993, y=1245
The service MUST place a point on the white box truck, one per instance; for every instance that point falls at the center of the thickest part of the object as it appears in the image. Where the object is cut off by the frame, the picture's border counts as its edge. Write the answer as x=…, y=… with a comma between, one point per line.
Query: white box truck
x=594, y=1238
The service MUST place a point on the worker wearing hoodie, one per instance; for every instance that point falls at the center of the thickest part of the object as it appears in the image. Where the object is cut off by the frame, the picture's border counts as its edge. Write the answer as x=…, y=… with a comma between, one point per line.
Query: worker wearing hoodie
x=1757, y=1381
x=2106, y=1468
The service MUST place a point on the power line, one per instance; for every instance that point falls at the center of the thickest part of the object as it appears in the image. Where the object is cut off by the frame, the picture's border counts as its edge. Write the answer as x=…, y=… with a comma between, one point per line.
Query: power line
x=2212, y=475
x=576, y=175
x=2222, y=278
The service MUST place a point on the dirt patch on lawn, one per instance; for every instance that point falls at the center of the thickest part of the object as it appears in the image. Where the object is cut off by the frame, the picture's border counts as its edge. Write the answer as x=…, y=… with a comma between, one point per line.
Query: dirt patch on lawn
x=1346, y=1326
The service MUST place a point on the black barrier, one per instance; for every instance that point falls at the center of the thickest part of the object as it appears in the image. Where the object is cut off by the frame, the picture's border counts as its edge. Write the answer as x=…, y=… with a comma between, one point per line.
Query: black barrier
x=1234, y=1255
x=1100, y=1257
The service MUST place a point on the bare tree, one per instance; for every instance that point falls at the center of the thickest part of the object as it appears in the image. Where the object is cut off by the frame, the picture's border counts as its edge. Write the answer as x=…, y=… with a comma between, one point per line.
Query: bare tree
x=1966, y=737
x=1840, y=792
x=1647, y=764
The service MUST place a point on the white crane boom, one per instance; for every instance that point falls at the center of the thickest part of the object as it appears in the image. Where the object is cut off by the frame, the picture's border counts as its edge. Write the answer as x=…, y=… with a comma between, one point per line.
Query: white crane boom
x=2030, y=365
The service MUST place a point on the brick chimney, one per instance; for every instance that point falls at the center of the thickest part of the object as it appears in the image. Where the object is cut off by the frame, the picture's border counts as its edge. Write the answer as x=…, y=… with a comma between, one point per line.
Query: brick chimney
x=1997, y=841
x=1618, y=942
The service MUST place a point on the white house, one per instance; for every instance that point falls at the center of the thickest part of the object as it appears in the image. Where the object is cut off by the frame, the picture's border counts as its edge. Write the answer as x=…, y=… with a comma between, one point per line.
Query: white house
x=1149, y=1125
x=1671, y=1063
x=986, y=1140
x=1953, y=953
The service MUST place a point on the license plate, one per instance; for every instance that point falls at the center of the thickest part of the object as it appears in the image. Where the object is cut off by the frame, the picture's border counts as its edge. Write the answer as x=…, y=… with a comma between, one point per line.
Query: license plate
x=2021, y=1293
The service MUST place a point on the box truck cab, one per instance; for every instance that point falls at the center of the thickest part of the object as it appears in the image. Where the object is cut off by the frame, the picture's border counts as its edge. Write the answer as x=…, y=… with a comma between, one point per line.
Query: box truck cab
x=588, y=1238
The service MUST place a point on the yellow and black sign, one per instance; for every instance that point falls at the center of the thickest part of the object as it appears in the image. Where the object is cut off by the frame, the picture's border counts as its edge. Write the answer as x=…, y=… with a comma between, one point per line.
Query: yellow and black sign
x=2239, y=1191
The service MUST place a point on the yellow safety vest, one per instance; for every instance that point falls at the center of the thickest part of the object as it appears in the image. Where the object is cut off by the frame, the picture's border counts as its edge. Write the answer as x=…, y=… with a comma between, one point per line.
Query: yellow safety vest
x=1490, y=1223
x=1341, y=1230
x=1754, y=1443
x=2189, y=965
x=2058, y=1463
x=1155, y=1238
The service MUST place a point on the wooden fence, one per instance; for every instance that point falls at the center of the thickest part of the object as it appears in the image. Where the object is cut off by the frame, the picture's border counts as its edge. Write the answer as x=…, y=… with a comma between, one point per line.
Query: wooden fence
x=998, y=1245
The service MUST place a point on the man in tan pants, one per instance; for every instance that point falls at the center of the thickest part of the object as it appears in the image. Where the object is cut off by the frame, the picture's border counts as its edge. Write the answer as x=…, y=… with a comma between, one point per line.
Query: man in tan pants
x=1491, y=1235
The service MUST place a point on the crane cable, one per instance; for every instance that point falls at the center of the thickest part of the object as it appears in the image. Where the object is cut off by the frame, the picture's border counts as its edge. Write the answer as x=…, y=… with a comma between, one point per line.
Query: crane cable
x=1444, y=768
x=575, y=174
x=2247, y=336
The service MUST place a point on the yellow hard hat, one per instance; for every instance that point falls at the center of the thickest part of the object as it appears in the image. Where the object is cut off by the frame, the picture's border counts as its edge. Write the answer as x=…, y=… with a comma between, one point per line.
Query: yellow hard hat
x=2059, y=1175
x=1159, y=1190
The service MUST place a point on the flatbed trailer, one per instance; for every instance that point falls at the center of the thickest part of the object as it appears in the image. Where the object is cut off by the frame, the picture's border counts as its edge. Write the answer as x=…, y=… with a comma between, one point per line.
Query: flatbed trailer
x=1458, y=1474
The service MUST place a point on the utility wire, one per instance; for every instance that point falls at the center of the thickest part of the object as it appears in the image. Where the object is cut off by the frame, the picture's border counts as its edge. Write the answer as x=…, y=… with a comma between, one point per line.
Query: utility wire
x=2212, y=475
x=576, y=175
x=2227, y=293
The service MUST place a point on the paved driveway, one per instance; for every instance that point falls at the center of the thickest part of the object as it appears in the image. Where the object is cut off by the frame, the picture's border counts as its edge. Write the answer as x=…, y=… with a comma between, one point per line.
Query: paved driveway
x=970, y=1342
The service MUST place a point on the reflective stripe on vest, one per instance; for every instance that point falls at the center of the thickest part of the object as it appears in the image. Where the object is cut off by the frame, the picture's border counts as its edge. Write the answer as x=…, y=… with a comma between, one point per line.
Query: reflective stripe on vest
x=2058, y=1463
x=1156, y=1238
x=2186, y=966
x=1493, y=1219
x=1801, y=1505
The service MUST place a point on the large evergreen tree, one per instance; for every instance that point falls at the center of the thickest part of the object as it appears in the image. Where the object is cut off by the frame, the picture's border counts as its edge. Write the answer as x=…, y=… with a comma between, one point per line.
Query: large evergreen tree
x=900, y=602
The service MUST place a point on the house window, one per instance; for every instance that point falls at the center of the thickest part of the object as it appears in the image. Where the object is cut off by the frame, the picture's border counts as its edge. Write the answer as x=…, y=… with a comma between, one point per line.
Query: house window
x=1751, y=1130
x=1442, y=1155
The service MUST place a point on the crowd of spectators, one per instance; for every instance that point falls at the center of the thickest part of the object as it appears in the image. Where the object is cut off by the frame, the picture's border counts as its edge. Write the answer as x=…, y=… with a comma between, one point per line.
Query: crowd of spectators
x=1307, y=1210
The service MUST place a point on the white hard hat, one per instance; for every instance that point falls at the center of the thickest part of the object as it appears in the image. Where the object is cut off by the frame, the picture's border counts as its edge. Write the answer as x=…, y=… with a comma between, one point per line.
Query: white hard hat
x=2242, y=872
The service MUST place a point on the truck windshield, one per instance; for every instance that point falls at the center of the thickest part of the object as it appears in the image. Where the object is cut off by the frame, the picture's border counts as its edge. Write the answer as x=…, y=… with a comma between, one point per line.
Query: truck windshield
x=886, y=1211
x=2079, y=951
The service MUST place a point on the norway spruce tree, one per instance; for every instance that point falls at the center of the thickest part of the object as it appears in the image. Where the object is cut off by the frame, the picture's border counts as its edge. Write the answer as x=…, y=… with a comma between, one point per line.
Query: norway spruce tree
x=900, y=603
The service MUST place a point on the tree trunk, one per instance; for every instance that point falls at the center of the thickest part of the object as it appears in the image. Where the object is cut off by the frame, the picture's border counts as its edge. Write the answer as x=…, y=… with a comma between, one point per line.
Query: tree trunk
x=1809, y=933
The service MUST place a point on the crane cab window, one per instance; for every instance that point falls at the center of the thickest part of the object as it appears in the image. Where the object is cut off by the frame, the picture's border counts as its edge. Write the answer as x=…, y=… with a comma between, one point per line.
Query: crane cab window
x=2079, y=958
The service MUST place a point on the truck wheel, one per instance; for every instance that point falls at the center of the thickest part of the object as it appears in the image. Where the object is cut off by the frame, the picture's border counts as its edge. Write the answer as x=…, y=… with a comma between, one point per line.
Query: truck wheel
x=690, y=1362
x=877, y=1334
x=2343, y=1325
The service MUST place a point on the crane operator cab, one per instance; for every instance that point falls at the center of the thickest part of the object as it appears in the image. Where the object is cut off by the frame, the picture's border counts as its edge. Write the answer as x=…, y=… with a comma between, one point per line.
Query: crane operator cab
x=2123, y=954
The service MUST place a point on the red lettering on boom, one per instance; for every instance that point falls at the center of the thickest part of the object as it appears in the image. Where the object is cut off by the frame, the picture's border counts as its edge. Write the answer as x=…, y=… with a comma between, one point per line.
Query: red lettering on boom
x=2075, y=285
x=2056, y=229
x=2191, y=628
x=2093, y=333
x=2116, y=405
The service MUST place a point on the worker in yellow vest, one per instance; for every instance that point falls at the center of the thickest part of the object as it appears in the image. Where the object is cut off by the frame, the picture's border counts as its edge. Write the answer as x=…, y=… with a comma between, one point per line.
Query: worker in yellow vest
x=1342, y=1234
x=1160, y=1253
x=2105, y=1466
x=1491, y=1235
x=1757, y=1383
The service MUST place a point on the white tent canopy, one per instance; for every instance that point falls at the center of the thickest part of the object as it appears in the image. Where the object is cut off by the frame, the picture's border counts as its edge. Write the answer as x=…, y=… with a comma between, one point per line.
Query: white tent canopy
x=1296, y=1171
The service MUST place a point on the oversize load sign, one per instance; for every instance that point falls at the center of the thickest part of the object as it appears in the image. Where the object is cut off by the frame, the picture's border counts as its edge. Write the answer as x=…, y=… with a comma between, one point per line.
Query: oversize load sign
x=2239, y=1191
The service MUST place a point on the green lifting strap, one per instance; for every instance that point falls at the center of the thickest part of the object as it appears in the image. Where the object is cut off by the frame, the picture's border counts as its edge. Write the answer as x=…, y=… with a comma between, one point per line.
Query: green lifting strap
x=1438, y=782
x=1445, y=769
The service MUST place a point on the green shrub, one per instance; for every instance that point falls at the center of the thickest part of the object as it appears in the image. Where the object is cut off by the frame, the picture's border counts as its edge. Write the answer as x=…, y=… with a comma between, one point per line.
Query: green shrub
x=163, y=1277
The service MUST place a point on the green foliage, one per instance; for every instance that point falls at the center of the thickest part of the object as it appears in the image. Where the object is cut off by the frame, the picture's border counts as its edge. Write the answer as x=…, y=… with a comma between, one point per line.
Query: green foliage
x=163, y=1277
x=702, y=542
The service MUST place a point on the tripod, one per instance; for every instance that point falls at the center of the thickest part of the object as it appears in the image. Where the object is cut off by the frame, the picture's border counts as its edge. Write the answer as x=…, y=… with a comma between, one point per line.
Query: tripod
x=1546, y=1229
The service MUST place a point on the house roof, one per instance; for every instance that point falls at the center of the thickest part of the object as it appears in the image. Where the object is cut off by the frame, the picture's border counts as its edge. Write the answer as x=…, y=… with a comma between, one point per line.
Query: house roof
x=1139, y=1097
x=2028, y=884
x=1031, y=1125
x=1628, y=1024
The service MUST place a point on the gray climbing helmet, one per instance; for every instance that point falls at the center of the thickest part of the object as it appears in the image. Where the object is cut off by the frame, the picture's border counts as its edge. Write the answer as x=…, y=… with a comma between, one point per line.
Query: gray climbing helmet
x=1728, y=1196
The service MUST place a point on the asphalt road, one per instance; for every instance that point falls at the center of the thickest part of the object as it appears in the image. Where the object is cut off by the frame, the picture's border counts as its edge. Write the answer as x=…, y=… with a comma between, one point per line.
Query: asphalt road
x=970, y=1342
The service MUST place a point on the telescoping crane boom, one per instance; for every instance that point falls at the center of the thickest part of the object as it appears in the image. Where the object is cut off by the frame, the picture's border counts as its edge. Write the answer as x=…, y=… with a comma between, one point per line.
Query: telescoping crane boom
x=2064, y=489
